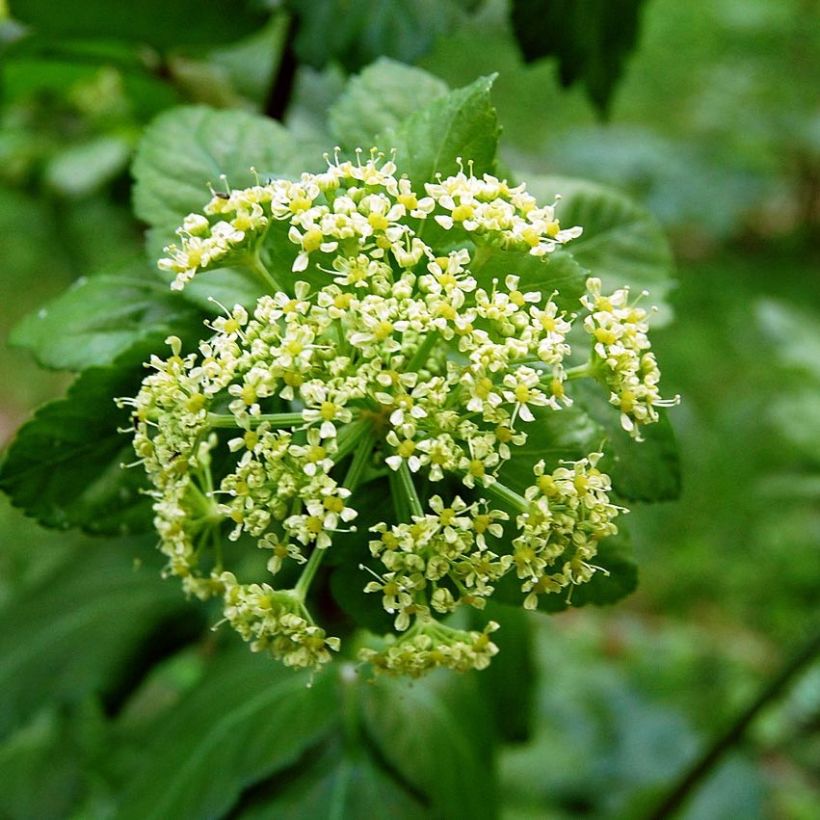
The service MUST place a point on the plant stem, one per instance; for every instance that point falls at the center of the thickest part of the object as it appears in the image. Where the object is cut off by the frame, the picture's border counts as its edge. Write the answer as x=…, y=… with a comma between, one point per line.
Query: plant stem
x=423, y=352
x=354, y=475
x=503, y=493
x=282, y=89
x=409, y=489
x=258, y=267
x=274, y=419
x=582, y=371
x=707, y=762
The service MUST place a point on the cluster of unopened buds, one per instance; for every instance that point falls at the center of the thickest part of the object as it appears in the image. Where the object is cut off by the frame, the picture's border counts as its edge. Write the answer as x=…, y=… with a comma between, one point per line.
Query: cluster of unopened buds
x=381, y=353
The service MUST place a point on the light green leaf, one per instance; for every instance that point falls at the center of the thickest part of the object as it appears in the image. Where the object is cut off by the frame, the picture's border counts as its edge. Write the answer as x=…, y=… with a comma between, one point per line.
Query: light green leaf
x=622, y=244
x=248, y=719
x=462, y=124
x=79, y=170
x=379, y=98
x=557, y=271
x=436, y=734
x=63, y=468
x=188, y=147
x=86, y=620
x=344, y=783
x=99, y=318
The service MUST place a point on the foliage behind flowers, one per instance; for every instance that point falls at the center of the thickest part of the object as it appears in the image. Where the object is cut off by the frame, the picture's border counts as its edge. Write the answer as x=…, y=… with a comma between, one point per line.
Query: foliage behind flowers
x=416, y=408
x=402, y=358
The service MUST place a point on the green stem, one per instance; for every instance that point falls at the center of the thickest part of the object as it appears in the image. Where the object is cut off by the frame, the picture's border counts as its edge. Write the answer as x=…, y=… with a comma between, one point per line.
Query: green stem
x=409, y=489
x=582, y=371
x=503, y=493
x=354, y=475
x=274, y=419
x=422, y=353
x=258, y=267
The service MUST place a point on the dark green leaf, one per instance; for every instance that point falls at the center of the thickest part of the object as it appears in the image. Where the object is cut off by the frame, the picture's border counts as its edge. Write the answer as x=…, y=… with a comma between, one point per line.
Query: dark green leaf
x=435, y=732
x=355, y=34
x=75, y=633
x=157, y=22
x=622, y=244
x=555, y=435
x=509, y=682
x=249, y=718
x=617, y=579
x=379, y=98
x=462, y=124
x=558, y=271
x=590, y=38
x=99, y=318
x=647, y=470
x=344, y=783
x=63, y=468
x=188, y=147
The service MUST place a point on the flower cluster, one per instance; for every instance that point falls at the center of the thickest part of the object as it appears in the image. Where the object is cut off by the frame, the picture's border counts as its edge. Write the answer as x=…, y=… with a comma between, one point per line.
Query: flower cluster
x=621, y=353
x=385, y=355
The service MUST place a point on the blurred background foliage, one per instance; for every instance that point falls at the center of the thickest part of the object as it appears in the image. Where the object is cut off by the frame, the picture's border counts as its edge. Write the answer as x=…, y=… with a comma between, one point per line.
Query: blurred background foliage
x=715, y=127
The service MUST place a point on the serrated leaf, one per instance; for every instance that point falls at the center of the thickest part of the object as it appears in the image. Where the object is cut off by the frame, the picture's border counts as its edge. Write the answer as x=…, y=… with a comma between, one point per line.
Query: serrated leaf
x=345, y=782
x=436, y=734
x=186, y=148
x=462, y=124
x=356, y=34
x=63, y=467
x=380, y=98
x=156, y=22
x=647, y=470
x=249, y=718
x=74, y=634
x=622, y=244
x=558, y=271
x=99, y=318
x=590, y=39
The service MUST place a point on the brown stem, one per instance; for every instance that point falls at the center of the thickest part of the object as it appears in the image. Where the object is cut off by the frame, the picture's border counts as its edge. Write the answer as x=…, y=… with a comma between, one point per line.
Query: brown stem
x=704, y=765
x=282, y=89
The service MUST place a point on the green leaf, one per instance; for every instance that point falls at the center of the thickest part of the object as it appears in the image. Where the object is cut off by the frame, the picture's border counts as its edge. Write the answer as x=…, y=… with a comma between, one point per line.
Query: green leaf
x=647, y=470
x=590, y=38
x=100, y=317
x=186, y=148
x=558, y=271
x=508, y=684
x=622, y=244
x=436, y=734
x=64, y=466
x=86, y=620
x=156, y=22
x=555, y=435
x=345, y=782
x=248, y=719
x=462, y=124
x=356, y=34
x=617, y=579
x=379, y=98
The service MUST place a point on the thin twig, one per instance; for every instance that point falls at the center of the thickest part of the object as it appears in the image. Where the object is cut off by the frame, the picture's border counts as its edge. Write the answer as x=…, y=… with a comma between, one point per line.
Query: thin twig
x=704, y=765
